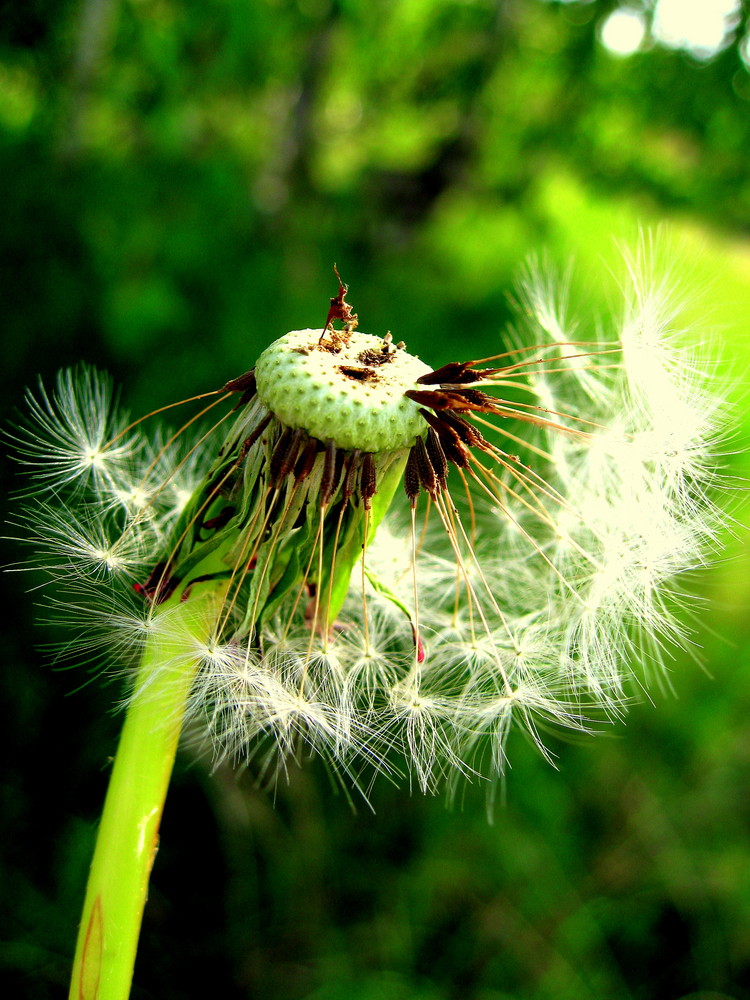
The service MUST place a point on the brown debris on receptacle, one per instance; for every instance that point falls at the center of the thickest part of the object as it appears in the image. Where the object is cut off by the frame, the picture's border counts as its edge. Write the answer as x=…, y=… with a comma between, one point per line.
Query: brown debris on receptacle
x=359, y=374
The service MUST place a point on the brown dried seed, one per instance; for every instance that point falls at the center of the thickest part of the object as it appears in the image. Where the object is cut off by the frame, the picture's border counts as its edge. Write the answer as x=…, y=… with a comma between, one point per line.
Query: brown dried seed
x=367, y=480
x=285, y=454
x=437, y=458
x=253, y=437
x=411, y=477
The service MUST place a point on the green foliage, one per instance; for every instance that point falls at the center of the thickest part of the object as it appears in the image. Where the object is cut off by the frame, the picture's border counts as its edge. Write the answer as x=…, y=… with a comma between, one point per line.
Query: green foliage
x=178, y=180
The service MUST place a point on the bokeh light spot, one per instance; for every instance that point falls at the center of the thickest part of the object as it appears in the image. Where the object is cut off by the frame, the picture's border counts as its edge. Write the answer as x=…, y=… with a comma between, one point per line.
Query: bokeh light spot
x=623, y=31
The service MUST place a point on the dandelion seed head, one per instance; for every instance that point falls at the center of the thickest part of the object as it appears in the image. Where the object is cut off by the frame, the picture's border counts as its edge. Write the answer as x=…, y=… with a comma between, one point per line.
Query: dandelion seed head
x=406, y=563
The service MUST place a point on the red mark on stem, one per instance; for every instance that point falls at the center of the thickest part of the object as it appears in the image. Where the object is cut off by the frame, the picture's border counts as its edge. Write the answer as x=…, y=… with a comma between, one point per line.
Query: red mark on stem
x=91, y=957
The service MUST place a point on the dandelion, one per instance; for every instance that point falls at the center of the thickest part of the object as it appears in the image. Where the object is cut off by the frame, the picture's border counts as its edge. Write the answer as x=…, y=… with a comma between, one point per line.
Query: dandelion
x=367, y=559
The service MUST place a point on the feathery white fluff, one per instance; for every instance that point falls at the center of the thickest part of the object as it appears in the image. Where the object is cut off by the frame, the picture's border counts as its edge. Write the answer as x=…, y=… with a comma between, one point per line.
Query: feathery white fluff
x=534, y=600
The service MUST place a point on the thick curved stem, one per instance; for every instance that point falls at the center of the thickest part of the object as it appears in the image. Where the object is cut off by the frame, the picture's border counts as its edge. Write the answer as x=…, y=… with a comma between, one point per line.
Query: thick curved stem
x=128, y=833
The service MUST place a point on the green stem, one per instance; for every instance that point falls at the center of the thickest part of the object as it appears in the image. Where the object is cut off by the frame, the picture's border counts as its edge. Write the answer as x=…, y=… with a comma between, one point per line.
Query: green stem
x=350, y=550
x=128, y=833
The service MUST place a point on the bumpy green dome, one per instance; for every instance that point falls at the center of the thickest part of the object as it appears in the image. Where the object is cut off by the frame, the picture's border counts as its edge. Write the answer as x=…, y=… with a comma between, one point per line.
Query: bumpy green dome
x=352, y=392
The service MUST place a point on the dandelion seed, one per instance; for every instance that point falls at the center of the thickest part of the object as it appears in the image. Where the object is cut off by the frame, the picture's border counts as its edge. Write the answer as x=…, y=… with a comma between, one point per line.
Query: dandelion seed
x=64, y=438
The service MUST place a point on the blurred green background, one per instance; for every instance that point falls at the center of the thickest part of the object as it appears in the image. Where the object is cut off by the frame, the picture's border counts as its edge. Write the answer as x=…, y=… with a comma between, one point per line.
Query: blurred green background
x=176, y=181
